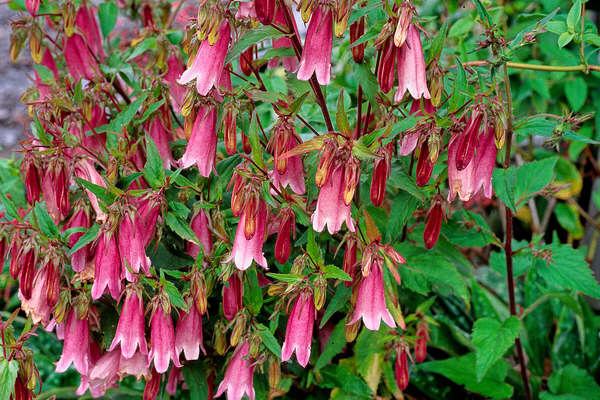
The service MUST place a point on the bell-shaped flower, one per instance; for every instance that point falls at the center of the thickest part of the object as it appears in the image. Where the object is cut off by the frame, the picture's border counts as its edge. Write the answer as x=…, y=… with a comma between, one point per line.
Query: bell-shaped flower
x=161, y=137
x=107, y=271
x=316, y=55
x=412, y=75
x=176, y=91
x=76, y=345
x=331, y=208
x=370, y=300
x=298, y=334
x=80, y=219
x=55, y=189
x=132, y=246
x=162, y=339
x=239, y=375
x=102, y=376
x=80, y=61
x=130, y=332
x=200, y=226
x=232, y=293
x=201, y=148
x=208, y=62
x=290, y=63
x=245, y=250
x=188, y=334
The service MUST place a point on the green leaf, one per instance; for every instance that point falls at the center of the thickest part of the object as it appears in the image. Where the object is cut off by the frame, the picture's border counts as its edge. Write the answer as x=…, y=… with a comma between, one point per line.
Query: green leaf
x=492, y=339
x=195, y=378
x=10, y=206
x=124, y=118
x=86, y=238
x=367, y=81
x=181, y=228
x=44, y=221
x=257, y=148
x=515, y=185
x=312, y=247
x=287, y=278
x=461, y=27
x=565, y=38
x=153, y=170
x=568, y=270
x=102, y=193
x=149, y=43
x=45, y=74
x=337, y=303
x=253, y=299
x=8, y=376
x=483, y=14
x=459, y=88
x=571, y=383
x=461, y=370
x=174, y=295
x=333, y=272
x=341, y=118
x=348, y=383
x=269, y=340
x=576, y=91
x=437, y=44
x=107, y=14
x=251, y=37
x=574, y=16
x=334, y=345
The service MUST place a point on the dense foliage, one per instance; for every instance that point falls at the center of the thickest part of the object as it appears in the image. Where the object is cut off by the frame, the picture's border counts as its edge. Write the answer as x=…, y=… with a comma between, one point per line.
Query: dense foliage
x=323, y=199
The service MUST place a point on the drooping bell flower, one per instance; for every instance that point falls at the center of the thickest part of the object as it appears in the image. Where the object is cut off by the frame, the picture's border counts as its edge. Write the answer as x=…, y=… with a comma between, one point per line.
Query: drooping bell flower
x=80, y=219
x=86, y=170
x=245, y=250
x=232, y=293
x=52, y=267
x=55, y=189
x=421, y=341
x=332, y=209
x=316, y=55
x=246, y=60
x=401, y=368
x=23, y=260
x=288, y=171
x=152, y=386
x=357, y=30
x=175, y=376
x=161, y=137
x=298, y=334
x=103, y=375
x=350, y=256
x=265, y=10
x=80, y=61
x=130, y=333
x=86, y=22
x=468, y=140
x=176, y=91
x=290, y=63
x=387, y=62
x=201, y=148
x=200, y=226
x=287, y=229
x=37, y=307
x=107, y=262
x=76, y=345
x=32, y=6
x=30, y=172
x=477, y=175
x=136, y=366
x=149, y=209
x=381, y=173
x=370, y=299
x=188, y=334
x=239, y=375
x=208, y=62
x=412, y=75
x=162, y=336
x=433, y=225
x=132, y=246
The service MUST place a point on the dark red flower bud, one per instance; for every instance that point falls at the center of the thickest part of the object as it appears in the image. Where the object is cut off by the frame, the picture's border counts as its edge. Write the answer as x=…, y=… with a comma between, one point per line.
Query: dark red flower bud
x=401, y=368
x=424, y=165
x=246, y=59
x=27, y=273
x=265, y=10
x=385, y=73
x=152, y=386
x=350, y=255
x=229, y=130
x=433, y=225
x=52, y=283
x=246, y=144
x=233, y=293
x=283, y=245
x=32, y=178
x=421, y=342
x=357, y=29
x=381, y=172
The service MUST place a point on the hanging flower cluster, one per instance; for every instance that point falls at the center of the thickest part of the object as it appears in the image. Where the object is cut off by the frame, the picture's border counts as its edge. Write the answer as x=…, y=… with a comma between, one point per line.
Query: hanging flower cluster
x=168, y=185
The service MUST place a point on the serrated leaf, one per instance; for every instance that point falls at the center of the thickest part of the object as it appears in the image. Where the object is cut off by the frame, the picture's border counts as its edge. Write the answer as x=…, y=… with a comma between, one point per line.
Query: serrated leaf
x=174, y=295
x=181, y=228
x=45, y=74
x=85, y=239
x=337, y=303
x=348, y=384
x=287, y=278
x=333, y=272
x=140, y=48
x=8, y=376
x=571, y=383
x=153, y=169
x=492, y=339
x=10, y=207
x=107, y=14
x=102, y=193
x=251, y=37
x=124, y=118
x=44, y=221
x=335, y=344
x=269, y=340
x=576, y=91
x=483, y=14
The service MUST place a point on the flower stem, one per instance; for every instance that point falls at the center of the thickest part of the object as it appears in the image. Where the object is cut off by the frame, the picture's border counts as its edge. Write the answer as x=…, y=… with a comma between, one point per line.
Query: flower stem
x=539, y=67
x=508, y=236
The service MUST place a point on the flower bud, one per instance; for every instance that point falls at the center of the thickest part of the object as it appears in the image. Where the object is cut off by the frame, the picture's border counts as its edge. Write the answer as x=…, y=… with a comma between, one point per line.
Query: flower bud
x=421, y=341
x=246, y=144
x=276, y=289
x=274, y=373
x=351, y=331
x=287, y=227
x=401, y=368
x=254, y=349
x=351, y=179
x=63, y=306
x=187, y=111
x=246, y=59
x=499, y=131
x=381, y=172
x=433, y=224
x=239, y=328
x=198, y=291
x=424, y=165
x=350, y=255
x=35, y=44
x=357, y=30
x=220, y=339
x=230, y=129
x=17, y=41
x=320, y=292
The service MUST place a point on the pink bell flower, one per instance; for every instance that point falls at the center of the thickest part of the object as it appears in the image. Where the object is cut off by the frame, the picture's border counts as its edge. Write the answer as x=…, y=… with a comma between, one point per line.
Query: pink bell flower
x=331, y=209
x=162, y=340
x=188, y=334
x=200, y=226
x=132, y=246
x=161, y=137
x=79, y=219
x=412, y=75
x=176, y=91
x=232, y=293
x=76, y=345
x=130, y=332
x=370, y=301
x=298, y=334
x=245, y=250
x=290, y=63
x=80, y=61
x=107, y=273
x=316, y=55
x=208, y=62
x=238, y=379
x=201, y=148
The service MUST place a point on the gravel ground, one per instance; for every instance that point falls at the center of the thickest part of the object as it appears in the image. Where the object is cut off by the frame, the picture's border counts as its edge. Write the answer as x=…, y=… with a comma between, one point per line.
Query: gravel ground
x=14, y=79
